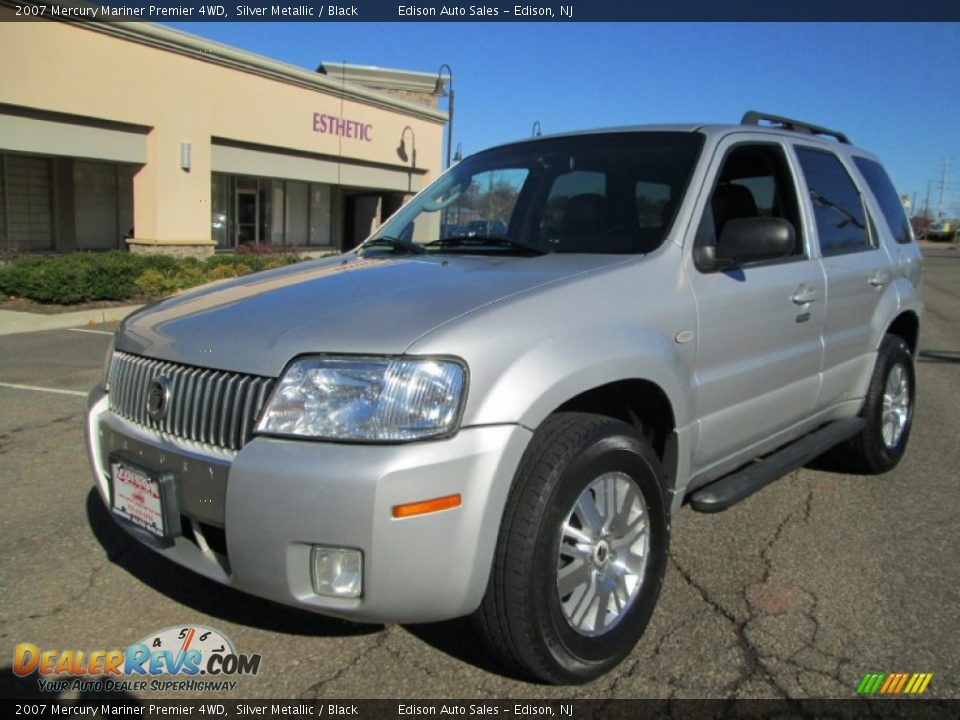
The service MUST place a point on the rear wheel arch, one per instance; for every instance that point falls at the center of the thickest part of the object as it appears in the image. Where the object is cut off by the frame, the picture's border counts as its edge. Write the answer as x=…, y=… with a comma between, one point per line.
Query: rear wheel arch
x=907, y=326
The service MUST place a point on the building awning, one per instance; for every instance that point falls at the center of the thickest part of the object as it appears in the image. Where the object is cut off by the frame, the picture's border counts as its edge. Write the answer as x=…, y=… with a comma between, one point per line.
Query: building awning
x=241, y=160
x=54, y=137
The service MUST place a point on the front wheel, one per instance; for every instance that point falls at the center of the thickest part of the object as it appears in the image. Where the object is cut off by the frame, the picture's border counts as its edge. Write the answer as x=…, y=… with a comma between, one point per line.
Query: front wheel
x=581, y=551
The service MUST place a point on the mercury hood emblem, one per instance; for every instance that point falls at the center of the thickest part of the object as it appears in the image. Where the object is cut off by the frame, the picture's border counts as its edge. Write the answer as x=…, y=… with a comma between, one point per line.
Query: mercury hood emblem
x=158, y=398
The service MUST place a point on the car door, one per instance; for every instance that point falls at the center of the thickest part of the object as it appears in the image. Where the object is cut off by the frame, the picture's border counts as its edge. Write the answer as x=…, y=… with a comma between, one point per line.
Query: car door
x=758, y=338
x=857, y=270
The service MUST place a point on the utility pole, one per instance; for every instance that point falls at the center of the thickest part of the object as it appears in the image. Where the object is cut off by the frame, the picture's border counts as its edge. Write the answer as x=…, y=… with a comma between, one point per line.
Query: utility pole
x=926, y=203
x=943, y=187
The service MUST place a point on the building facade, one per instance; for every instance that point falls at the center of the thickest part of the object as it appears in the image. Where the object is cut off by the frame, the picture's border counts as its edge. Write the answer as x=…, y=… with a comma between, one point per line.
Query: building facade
x=134, y=135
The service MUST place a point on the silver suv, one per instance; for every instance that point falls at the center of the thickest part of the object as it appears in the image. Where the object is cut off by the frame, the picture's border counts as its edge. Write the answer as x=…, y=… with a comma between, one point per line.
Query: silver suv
x=503, y=424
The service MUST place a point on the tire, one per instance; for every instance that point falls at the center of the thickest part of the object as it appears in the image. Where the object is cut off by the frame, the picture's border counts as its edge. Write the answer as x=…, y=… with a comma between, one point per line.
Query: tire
x=888, y=410
x=549, y=532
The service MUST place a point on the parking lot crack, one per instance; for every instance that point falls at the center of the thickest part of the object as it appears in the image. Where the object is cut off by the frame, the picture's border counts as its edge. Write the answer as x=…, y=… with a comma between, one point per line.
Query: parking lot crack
x=73, y=599
x=4, y=437
x=753, y=658
x=637, y=663
x=378, y=642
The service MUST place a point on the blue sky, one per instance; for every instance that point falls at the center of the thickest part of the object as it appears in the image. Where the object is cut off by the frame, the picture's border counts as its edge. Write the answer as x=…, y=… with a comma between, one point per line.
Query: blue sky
x=893, y=88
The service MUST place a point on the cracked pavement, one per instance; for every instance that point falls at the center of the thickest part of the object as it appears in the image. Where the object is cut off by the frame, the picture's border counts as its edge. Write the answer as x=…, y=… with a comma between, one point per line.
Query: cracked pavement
x=796, y=592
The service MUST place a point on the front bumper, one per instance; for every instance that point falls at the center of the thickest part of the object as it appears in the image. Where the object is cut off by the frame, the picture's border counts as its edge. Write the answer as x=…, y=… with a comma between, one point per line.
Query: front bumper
x=250, y=518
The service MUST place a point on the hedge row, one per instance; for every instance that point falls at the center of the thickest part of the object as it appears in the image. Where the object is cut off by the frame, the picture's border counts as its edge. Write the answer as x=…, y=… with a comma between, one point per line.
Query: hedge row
x=83, y=277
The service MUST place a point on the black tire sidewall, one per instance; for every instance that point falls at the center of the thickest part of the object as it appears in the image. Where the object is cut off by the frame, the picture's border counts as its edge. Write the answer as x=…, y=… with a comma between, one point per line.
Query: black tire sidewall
x=582, y=656
x=893, y=351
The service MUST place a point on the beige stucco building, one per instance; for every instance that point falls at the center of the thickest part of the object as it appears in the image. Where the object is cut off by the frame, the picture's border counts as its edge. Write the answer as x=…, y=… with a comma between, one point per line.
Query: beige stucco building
x=134, y=135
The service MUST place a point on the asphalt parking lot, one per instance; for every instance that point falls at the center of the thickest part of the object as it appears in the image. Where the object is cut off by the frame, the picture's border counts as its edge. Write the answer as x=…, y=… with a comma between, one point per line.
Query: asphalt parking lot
x=798, y=591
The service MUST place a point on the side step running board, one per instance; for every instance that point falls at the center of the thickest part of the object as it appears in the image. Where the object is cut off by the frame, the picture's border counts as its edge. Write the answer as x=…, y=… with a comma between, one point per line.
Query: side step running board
x=732, y=488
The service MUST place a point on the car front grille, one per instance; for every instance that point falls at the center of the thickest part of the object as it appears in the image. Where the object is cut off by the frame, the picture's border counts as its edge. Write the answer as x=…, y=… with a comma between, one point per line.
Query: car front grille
x=213, y=407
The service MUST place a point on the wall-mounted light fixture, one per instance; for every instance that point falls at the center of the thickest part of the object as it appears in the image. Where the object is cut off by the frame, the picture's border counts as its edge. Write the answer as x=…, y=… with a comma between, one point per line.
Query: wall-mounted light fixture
x=185, y=156
x=402, y=147
x=439, y=91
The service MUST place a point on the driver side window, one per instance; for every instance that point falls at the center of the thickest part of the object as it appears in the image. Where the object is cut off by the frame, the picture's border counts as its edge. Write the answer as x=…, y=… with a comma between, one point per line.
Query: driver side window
x=754, y=182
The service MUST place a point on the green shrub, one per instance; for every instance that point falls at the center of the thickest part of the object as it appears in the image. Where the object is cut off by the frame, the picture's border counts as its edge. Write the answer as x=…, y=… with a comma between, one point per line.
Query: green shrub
x=154, y=283
x=82, y=277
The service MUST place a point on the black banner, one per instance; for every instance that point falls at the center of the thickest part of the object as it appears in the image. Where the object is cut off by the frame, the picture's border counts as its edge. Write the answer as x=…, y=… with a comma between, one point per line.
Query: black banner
x=486, y=11
x=523, y=709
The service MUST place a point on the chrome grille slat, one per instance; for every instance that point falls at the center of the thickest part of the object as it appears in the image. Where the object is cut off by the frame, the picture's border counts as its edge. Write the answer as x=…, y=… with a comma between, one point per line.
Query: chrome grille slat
x=189, y=387
x=236, y=412
x=249, y=412
x=216, y=408
x=139, y=389
x=189, y=400
x=207, y=400
x=179, y=381
x=167, y=423
x=212, y=407
x=125, y=386
x=226, y=410
x=202, y=389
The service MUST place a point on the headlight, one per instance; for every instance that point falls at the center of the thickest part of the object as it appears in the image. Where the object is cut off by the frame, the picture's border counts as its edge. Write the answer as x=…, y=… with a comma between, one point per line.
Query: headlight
x=367, y=399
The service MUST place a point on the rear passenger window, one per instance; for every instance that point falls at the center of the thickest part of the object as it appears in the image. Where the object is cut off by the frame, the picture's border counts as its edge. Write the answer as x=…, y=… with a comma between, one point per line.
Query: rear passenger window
x=886, y=195
x=837, y=205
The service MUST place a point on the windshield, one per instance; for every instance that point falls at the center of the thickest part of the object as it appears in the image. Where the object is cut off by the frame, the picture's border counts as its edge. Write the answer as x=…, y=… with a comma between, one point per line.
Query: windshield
x=594, y=193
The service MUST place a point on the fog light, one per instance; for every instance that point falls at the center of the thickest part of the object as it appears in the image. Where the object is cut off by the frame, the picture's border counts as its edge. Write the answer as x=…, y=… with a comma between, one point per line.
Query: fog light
x=337, y=572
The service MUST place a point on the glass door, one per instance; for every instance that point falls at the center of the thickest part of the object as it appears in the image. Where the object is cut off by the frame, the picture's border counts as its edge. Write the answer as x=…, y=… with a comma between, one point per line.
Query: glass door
x=247, y=226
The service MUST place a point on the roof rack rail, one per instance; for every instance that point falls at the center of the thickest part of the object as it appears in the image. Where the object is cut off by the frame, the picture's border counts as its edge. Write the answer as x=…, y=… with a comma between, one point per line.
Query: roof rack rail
x=752, y=117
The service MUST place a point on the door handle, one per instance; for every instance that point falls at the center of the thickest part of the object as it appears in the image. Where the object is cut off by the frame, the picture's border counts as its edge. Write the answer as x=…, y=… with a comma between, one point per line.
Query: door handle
x=879, y=278
x=804, y=295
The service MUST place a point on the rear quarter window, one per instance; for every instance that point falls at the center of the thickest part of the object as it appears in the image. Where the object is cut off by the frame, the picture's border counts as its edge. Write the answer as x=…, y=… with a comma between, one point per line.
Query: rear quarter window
x=887, y=198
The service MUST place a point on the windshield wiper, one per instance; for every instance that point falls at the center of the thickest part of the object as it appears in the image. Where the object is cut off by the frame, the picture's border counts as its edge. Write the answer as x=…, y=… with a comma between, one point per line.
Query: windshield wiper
x=472, y=241
x=394, y=244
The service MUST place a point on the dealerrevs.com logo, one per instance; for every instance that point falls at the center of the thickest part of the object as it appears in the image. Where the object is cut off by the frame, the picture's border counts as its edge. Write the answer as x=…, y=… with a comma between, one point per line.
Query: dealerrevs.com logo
x=199, y=658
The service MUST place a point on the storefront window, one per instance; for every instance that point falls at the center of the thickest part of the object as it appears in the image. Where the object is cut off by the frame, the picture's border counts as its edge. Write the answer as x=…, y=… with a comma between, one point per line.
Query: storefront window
x=321, y=215
x=297, y=213
x=28, y=194
x=219, y=204
x=276, y=212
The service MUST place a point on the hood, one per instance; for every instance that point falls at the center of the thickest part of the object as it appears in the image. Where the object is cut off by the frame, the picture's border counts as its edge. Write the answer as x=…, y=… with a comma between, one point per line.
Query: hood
x=344, y=304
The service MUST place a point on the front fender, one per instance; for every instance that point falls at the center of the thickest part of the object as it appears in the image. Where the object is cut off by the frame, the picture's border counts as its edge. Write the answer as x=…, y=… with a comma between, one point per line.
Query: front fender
x=544, y=376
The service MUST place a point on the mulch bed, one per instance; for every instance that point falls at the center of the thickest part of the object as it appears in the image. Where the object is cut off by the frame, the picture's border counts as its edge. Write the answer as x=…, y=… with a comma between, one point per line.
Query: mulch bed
x=31, y=306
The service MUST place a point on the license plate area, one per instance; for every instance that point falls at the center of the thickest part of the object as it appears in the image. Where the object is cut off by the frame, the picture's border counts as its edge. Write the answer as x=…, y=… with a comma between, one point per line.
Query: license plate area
x=144, y=500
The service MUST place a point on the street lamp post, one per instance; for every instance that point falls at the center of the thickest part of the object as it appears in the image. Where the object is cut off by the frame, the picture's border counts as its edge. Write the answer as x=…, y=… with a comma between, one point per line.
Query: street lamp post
x=438, y=90
x=536, y=128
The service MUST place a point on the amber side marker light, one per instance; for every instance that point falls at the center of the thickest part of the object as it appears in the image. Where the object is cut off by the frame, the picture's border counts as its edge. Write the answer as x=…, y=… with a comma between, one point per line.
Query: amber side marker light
x=426, y=506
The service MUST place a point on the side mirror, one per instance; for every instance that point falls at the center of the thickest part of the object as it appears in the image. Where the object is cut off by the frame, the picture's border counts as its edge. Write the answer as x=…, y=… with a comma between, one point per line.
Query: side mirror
x=746, y=240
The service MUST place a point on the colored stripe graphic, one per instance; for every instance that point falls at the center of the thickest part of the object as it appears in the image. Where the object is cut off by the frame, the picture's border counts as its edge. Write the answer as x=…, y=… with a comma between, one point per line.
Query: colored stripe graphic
x=894, y=683
x=891, y=678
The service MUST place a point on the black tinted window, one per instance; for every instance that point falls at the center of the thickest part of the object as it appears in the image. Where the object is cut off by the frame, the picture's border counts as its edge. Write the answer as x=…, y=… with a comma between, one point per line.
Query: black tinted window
x=886, y=195
x=841, y=222
x=590, y=193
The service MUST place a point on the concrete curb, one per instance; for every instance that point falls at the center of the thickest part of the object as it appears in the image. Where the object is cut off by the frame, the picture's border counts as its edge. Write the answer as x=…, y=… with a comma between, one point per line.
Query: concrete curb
x=12, y=322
